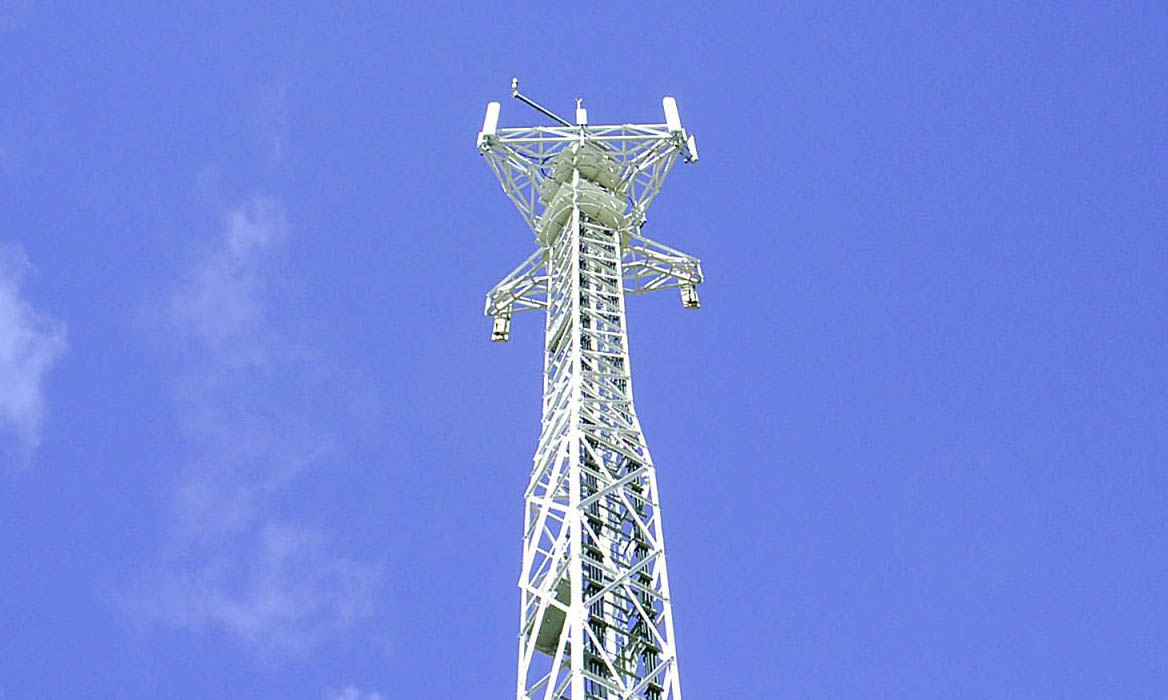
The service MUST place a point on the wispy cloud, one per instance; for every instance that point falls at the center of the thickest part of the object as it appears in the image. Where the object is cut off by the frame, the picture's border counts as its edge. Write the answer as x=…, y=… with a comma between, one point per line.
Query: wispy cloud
x=30, y=344
x=352, y=693
x=249, y=395
x=218, y=310
x=278, y=590
x=269, y=116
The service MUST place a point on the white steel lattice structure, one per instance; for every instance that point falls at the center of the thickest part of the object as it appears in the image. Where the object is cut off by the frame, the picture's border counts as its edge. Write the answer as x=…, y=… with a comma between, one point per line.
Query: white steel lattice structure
x=595, y=619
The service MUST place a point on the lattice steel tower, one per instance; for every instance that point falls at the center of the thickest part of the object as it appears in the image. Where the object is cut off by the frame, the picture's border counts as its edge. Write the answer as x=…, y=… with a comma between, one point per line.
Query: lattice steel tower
x=595, y=620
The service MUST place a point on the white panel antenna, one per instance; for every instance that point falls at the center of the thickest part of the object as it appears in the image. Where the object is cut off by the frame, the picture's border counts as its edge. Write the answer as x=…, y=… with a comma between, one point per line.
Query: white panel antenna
x=490, y=123
x=672, y=118
x=491, y=120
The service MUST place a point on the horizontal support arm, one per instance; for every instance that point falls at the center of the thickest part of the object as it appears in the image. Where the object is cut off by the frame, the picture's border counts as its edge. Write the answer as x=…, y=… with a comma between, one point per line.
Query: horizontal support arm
x=649, y=266
x=524, y=289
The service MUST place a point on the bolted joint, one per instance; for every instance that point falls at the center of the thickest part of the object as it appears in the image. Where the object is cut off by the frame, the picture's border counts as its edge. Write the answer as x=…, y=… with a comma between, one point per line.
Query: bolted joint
x=689, y=296
x=501, y=331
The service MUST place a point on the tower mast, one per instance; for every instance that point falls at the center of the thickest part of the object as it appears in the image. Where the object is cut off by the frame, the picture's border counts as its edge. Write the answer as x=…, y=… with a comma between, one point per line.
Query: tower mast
x=596, y=617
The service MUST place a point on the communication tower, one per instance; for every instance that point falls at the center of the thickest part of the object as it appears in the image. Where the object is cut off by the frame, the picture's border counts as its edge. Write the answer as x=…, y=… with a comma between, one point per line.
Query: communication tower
x=595, y=619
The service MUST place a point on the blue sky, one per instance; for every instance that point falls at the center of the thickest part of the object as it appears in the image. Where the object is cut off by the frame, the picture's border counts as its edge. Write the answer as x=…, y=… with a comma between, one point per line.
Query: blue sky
x=255, y=443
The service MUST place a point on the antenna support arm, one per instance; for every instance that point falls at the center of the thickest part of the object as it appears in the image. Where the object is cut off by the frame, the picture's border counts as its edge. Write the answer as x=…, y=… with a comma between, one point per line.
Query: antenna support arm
x=523, y=289
x=535, y=105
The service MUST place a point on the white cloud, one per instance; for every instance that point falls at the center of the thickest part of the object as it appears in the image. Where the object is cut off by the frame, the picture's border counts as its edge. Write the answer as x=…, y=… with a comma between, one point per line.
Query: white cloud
x=249, y=400
x=30, y=344
x=277, y=590
x=220, y=305
x=352, y=693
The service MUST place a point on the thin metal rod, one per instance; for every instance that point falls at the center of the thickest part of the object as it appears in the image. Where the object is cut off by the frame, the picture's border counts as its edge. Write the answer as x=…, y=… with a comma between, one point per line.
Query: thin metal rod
x=535, y=105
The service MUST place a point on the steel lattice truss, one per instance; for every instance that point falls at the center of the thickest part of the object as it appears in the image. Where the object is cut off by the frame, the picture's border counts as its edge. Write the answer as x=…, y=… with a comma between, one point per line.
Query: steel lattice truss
x=595, y=620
